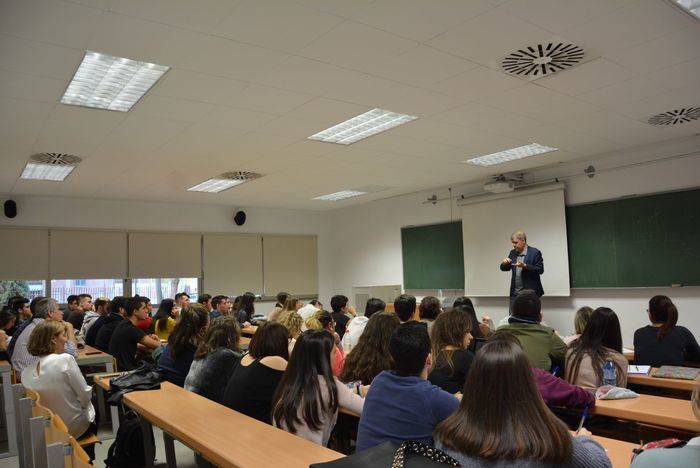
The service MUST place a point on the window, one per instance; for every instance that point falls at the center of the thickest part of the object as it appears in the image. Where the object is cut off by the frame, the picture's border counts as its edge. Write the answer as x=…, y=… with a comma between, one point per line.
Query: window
x=157, y=289
x=61, y=289
x=27, y=288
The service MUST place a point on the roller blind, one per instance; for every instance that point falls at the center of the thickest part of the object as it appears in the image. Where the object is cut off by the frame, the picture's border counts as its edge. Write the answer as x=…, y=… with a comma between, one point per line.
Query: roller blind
x=87, y=254
x=24, y=254
x=233, y=264
x=290, y=264
x=161, y=255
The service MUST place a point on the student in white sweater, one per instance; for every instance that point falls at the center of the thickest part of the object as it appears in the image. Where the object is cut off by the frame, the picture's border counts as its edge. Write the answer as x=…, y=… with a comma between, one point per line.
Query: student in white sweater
x=308, y=397
x=58, y=380
x=357, y=325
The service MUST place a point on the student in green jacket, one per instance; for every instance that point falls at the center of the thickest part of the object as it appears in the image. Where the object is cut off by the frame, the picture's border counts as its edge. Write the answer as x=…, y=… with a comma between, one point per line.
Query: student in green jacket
x=541, y=343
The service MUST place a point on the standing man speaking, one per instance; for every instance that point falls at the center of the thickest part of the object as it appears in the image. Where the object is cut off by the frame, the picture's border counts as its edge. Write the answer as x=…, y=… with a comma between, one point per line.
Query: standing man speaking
x=525, y=264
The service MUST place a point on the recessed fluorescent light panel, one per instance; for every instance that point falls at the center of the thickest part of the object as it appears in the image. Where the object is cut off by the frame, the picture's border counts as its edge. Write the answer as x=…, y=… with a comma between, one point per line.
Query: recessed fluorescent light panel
x=510, y=155
x=363, y=126
x=113, y=83
x=689, y=6
x=49, y=166
x=342, y=195
x=224, y=182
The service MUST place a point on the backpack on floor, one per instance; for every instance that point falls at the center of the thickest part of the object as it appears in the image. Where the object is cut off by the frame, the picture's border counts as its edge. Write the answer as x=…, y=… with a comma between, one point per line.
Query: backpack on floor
x=127, y=450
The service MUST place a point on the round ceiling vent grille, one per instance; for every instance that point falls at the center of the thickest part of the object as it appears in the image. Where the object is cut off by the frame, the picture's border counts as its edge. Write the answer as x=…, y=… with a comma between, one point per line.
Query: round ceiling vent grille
x=241, y=175
x=56, y=159
x=676, y=116
x=542, y=59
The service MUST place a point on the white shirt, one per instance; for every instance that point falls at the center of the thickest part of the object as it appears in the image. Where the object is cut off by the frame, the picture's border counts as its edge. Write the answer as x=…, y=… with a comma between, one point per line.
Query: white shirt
x=353, y=331
x=63, y=390
x=306, y=313
x=21, y=357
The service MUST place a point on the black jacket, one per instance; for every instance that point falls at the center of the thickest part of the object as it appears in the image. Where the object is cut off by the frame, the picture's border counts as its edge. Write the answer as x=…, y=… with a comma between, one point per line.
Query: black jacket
x=534, y=267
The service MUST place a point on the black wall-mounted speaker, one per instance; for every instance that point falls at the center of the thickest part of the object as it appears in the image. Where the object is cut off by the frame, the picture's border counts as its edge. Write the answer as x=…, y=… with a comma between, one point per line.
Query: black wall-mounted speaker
x=10, y=208
x=239, y=218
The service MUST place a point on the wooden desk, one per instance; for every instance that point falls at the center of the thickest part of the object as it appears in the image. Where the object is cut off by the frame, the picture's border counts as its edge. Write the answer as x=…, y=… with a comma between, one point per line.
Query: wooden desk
x=658, y=382
x=207, y=427
x=619, y=452
x=9, y=404
x=653, y=410
x=250, y=330
x=89, y=356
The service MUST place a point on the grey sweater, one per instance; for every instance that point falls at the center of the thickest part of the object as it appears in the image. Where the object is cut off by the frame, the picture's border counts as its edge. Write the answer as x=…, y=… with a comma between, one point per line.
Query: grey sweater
x=210, y=375
x=586, y=453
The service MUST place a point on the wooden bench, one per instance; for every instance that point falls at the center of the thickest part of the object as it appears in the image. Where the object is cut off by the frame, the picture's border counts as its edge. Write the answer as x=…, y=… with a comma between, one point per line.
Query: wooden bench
x=220, y=435
x=652, y=410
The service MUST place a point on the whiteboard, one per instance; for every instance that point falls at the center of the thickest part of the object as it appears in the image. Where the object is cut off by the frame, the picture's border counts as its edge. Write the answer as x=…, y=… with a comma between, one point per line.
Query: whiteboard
x=487, y=223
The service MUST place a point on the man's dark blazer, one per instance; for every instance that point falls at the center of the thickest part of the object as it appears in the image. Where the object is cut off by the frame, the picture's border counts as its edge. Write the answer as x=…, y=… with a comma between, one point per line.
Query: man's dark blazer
x=534, y=267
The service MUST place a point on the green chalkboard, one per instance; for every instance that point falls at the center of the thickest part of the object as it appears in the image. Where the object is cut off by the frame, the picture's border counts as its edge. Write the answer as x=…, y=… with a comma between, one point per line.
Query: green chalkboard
x=433, y=256
x=635, y=242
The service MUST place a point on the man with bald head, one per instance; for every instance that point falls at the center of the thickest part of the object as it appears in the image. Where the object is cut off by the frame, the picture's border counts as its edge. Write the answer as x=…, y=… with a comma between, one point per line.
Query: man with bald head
x=525, y=264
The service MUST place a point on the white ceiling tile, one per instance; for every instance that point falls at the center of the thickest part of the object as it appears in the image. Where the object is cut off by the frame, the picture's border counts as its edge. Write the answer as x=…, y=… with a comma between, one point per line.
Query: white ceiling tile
x=61, y=23
x=420, y=20
x=297, y=129
x=242, y=119
x=488, y=38
x=199, y=141
x=642, y=109
x=185, y=84
x=201, y=15
x=480, y=82
x=37, y=58
x=24, y=111
x=632, y=24
x=171, y=108
x=336, y=7
x=18, y=136
x=617, y=128
x=571, y=141
x=541, y=103
x=352, y=44
x=559, y=15
x=488, y=118
x=271, y=100
x=611, y=97
x=678, y=76
x=586, y=77
x=660, y=53
x=405, y=145
x=34, y=88
x=139, y=135
x=277, y=24
x=327, y=111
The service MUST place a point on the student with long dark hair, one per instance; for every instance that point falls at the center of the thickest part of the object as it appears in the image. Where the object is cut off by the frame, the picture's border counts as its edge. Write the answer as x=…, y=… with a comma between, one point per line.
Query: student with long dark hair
x=371, y=355
x=600, y=342
x=177, y=357
x=478, y=330
x=506, y=423
x=450, y=338
x=255, y=379
x=164, y=321
x=308, y=397
x=247, y=309
x=664, y=343
x=216, y=358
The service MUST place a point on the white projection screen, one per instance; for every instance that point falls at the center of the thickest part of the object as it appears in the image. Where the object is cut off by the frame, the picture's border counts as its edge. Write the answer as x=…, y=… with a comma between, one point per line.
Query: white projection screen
x=487, y=223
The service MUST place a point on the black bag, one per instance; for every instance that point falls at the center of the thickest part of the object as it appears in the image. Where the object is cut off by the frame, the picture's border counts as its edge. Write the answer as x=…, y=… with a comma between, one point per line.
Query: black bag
x=144, y=377
x=410, y=454
x=127, y=450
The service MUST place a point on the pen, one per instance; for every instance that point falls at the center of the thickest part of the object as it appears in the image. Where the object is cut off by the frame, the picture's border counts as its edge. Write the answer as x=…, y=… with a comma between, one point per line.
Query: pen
x=583, y=419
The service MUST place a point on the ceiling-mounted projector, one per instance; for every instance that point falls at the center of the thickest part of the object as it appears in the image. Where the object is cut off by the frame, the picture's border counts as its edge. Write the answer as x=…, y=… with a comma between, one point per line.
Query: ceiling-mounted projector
x=499, y=186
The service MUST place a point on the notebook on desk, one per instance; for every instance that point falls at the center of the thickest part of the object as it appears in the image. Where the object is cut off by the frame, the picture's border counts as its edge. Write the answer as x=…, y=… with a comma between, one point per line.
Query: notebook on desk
x=638, y=370
x=676, y=372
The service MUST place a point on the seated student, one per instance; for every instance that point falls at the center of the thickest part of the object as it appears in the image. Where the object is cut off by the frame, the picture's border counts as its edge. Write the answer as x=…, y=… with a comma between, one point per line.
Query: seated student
x=405, y=307
x=357, y=325
x=308, y=397
x=71, y=305
x=580, y=320
x=480, y=329
x=491, y=429
x=281, y=299
x=85, y=305
x=20, y=306
x=124, y=341
x=291, y=305
x=255, y=379
x=687, y=456
x=166, y=317
x=7, y=322
x=322, y=320
x=58, y=380
x=246, y=310
x=292, y=322
x=428, y=310
x=177, y=356
x=221, y=305
x=663, y=343
x=310, y=309
x=44, y=309
x=600, y=342
x=371, y=355
x=401, y=403
x=342, y=313
x=145, y=324
x=91, y=316
x=216, y=359
x=104, y=330
x=541, y=343
x=206, y=301
x=450, y=339
x=182, y=300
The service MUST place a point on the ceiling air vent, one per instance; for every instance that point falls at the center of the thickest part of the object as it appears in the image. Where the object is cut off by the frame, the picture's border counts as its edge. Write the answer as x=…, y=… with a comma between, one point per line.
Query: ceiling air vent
x=49, y=166
x=542, y=59
x=56, y=159
x=676, y=116
x=240, y=175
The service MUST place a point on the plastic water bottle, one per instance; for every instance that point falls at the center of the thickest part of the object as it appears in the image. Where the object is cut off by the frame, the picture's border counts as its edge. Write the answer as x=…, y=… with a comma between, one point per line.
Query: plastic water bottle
x=609, y=373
